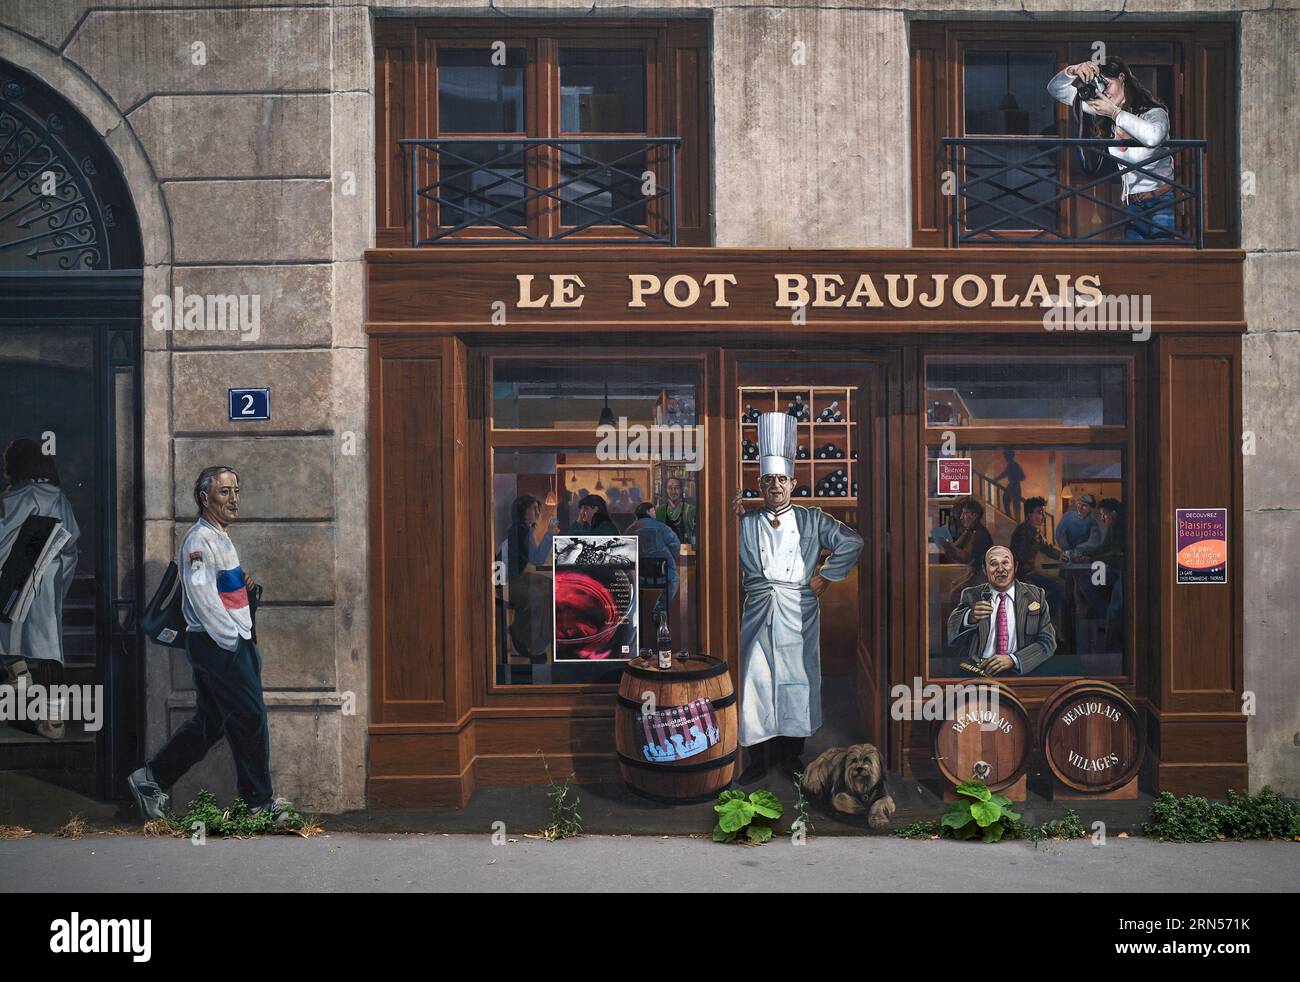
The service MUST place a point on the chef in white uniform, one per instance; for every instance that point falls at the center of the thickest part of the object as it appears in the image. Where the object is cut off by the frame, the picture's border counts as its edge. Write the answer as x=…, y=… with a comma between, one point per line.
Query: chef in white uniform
x=780, y=658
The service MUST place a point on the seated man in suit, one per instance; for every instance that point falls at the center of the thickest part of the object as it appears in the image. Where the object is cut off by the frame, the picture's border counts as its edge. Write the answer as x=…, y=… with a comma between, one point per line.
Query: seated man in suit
x=1004, y=624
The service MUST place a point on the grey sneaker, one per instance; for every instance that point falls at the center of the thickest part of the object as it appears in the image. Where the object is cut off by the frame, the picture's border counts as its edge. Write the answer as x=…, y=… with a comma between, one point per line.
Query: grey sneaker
x=283, y=812
x=149, y=797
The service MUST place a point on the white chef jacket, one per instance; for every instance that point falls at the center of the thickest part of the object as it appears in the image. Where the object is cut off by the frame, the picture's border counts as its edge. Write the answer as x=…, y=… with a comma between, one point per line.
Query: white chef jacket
x=782, y=559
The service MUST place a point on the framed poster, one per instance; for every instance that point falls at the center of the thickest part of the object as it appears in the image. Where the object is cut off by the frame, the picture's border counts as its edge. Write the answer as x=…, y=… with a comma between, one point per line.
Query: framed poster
x=596, y=597
x=954, y=476
x=1201, y=545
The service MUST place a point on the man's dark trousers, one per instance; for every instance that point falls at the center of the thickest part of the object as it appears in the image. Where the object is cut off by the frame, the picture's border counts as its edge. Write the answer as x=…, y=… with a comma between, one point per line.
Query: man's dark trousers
x=228, y=701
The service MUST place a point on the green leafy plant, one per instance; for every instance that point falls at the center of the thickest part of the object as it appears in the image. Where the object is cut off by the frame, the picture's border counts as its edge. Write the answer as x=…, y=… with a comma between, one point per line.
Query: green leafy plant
x=748, y=818
x=802, y=820
x=566, y=822
x=235, y=822
x=1068, y=827
x=1191, y=818
x=977, y=812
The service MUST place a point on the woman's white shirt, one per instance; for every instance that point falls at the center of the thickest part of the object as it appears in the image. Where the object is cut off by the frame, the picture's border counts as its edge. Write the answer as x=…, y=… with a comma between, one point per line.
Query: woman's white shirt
x=1151, y=129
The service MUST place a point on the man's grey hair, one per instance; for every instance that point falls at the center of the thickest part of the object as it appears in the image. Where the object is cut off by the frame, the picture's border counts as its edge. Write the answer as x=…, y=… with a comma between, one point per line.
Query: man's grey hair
x=204, y=483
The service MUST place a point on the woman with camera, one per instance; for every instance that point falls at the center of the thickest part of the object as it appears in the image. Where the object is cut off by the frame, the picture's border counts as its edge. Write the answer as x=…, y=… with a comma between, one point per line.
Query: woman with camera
x=1121, y=107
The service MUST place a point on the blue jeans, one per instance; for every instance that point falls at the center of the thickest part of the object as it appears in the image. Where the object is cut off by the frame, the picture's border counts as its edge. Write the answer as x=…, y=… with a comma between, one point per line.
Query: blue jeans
x=227, y=702
x=1157, y=224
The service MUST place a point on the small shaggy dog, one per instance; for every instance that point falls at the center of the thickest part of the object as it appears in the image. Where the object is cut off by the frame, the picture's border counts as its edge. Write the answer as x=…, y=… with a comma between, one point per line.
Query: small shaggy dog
x=852, y=782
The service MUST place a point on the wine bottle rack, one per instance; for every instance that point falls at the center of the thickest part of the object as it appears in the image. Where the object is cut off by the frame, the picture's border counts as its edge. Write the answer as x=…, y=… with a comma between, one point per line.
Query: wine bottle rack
x=814, y=436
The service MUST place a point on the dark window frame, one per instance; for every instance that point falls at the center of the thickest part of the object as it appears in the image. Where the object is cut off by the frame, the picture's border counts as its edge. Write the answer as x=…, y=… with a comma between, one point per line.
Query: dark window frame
x=1204, y=51
x=565, y=440
x=678, y=93
x=1125, y=438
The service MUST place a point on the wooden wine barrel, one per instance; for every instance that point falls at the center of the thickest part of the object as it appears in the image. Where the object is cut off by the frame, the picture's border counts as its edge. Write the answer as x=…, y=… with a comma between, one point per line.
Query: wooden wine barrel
x=1091, y=736
x=685, y=749
x=981, y=733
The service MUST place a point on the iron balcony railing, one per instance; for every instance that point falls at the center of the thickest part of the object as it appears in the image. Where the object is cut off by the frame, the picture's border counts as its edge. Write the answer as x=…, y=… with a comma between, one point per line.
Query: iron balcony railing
x=1018, y=191
x=490, y=190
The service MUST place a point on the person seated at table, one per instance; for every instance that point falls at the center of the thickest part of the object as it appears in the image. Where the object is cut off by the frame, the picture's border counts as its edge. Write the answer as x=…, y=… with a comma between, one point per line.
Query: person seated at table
x=1004, y=625
x=1078, y=529
x=530, y=590
x=971, y=541
x=658, y=542
x=1027, y=544
x=1111, y=552
x=593, y=517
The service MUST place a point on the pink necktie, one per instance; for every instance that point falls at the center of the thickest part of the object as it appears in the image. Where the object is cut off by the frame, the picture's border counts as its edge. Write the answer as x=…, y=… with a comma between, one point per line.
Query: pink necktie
x=1003, y=631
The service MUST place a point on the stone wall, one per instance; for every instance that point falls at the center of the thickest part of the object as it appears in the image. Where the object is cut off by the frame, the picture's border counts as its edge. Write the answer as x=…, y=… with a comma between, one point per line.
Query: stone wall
x=237, y=130
x=240, y=167
x=1270, y=160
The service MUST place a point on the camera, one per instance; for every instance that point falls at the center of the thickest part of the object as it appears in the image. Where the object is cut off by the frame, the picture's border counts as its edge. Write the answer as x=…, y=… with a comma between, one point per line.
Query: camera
x=1093, y=88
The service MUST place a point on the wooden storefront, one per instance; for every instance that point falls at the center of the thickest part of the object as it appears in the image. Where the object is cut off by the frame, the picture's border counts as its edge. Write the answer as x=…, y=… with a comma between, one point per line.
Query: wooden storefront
x=442, y=723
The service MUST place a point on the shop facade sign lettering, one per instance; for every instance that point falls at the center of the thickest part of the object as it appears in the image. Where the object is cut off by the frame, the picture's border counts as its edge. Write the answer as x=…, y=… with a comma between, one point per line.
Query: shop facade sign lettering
x=794, y=290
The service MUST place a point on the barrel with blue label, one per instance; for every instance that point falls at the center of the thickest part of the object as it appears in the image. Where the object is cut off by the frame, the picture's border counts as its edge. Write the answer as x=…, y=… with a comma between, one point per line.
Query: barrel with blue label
x=1093, y=741
x=676, y=728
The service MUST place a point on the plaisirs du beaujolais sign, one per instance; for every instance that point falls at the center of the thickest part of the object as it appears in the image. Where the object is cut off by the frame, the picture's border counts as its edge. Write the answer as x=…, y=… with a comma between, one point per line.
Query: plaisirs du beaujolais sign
x=1201, y=541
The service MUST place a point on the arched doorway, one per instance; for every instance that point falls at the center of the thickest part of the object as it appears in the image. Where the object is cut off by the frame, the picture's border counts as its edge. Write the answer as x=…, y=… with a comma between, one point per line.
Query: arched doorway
x=70, y=365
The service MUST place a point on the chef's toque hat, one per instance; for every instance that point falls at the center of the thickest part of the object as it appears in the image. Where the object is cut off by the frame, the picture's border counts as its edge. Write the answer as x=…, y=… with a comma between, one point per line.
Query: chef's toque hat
x=777, y=443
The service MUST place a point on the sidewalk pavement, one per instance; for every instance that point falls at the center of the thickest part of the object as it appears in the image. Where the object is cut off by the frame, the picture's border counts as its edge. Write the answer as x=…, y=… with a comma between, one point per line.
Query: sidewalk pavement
x=349, y=862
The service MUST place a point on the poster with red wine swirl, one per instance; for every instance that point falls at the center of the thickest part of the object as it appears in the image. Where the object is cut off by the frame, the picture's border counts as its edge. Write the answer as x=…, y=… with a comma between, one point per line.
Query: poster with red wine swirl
x=595, y=598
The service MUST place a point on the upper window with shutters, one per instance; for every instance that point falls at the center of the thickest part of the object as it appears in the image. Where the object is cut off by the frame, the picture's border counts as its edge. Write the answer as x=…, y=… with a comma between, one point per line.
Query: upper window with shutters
x=542, y=132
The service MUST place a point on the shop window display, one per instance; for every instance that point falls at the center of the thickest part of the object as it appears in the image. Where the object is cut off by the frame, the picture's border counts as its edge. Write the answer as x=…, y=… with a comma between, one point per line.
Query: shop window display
x=625, y=464
x=1061, y=524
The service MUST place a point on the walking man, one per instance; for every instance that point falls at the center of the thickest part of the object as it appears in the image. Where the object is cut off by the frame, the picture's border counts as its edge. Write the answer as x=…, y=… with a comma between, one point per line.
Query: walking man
x=226, y=663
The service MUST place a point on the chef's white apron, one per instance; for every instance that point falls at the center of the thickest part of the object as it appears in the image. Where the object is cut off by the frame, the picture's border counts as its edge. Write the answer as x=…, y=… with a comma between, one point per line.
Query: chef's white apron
x=780, y=673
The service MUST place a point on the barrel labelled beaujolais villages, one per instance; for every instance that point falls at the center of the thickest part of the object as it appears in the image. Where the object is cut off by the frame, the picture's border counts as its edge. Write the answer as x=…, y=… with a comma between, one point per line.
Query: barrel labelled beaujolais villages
x=1092, y=738
x=985, y=737
x=676, y=729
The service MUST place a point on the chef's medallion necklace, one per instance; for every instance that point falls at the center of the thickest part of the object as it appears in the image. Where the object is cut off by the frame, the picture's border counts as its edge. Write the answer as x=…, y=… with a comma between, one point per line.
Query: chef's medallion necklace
x=775, y=520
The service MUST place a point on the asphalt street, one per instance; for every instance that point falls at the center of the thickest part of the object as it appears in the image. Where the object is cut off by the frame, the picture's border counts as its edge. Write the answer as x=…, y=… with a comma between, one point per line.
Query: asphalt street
x=343, y=862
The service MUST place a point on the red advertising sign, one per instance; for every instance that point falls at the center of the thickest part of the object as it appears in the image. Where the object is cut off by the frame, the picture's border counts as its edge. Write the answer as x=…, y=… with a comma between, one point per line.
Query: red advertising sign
x=954, y=475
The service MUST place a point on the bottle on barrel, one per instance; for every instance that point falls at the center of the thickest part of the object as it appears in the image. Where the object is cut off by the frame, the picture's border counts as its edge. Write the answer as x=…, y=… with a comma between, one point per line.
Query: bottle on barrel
x=665, y=642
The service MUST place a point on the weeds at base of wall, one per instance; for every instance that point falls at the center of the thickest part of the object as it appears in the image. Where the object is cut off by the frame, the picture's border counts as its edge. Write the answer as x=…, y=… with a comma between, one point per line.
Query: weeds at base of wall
x=1068, y=827
x=235, y=822
x=566, y=822
x=74, y=828
x=1190, y=818
x=802, y=820
x=746, y=819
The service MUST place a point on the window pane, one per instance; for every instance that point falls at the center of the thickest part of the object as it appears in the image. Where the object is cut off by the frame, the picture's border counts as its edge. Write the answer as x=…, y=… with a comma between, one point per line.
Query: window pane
x=602, y=90
x=476, y=96
x=1006, y=93
x=548, y=394
x=1013, y=179
x=606, y=183
x=1062, y=513
x=537, y=497
x=481, y=180
x=992, y=391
